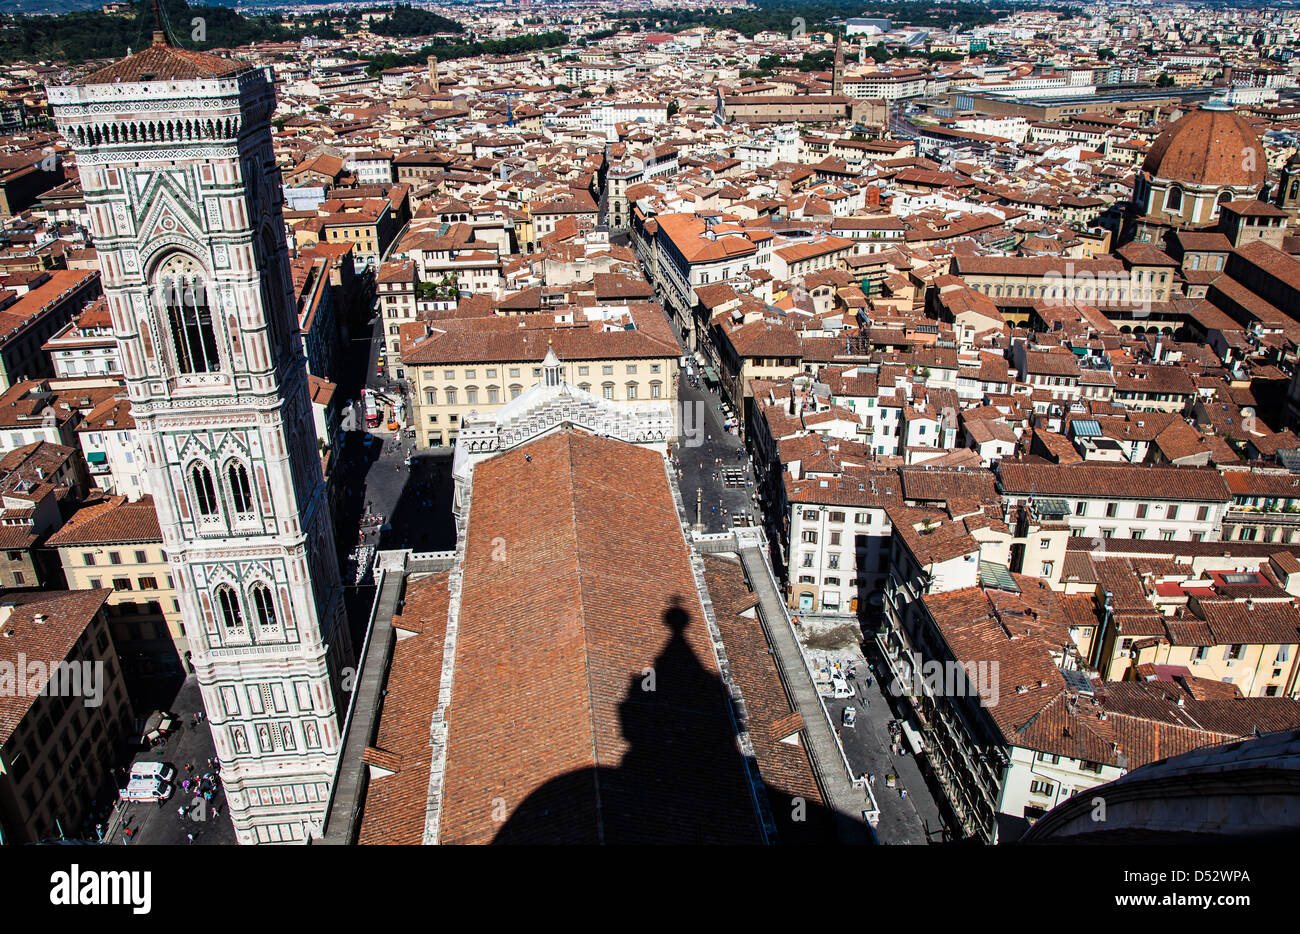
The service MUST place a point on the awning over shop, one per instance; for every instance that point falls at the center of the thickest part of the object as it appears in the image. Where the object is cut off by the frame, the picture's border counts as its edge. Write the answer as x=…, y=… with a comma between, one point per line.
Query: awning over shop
x=710, y=374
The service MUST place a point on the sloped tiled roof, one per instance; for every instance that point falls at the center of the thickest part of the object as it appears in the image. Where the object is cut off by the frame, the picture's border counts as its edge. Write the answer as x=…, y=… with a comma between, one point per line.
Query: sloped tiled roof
x=395, y=805
x=113, y=520
x=550, y=712
x=66, y=614
x=163, y=62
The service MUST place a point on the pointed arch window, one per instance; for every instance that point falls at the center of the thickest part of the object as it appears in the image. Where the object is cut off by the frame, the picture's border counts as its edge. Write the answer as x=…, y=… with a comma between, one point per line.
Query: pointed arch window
x=264, y=605
x=241, y=492
x=228, y=605
x=185, y=296
x=205, y=491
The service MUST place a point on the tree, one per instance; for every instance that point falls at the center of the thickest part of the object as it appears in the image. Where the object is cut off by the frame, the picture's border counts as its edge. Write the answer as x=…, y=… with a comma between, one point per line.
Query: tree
x=405, y=21
x=1165, y=80
x=673, y=109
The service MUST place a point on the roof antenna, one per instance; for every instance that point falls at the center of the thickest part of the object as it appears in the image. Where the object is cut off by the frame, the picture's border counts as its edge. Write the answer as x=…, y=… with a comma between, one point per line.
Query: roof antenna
x=160, y=31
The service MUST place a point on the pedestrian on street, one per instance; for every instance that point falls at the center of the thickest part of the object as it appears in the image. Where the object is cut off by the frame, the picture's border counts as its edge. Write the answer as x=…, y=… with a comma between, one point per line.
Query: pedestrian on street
x=180, y=812
x=190, y=836
x=904, y=793
x=871, y=779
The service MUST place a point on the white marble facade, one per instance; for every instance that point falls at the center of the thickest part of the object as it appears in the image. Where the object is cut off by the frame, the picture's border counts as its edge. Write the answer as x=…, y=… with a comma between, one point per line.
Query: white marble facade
x=184, y=202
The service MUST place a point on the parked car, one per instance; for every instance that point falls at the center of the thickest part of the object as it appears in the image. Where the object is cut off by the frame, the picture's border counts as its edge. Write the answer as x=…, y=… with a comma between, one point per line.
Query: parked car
x=159, y=724
x=850, y=716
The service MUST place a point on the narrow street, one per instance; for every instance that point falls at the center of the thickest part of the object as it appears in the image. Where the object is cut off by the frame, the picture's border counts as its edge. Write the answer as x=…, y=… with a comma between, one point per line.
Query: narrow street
x=384, y=502
x=400, y=505
x=715, y=474
x=867, y=745
x=170, y=823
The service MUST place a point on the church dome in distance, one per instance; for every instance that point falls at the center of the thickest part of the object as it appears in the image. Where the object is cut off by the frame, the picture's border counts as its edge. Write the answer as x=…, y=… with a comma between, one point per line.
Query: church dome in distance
x=1212, y=146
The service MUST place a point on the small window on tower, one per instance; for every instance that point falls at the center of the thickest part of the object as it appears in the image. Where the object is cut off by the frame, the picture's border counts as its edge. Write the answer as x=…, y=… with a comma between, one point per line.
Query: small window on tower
x=241, y=493
x=205, y=492
x=264, y=605
x=228, y=603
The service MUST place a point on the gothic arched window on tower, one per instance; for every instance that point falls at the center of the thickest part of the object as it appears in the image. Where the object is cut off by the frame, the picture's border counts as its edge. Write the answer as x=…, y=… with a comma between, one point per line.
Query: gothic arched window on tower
x=228, y=604
x=241, y=493
x=263, y=605
x=189, y=315
x=205, y=491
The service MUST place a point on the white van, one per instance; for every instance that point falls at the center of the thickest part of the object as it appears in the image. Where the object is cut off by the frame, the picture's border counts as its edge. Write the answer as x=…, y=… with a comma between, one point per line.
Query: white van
x=841, y=687
x=146, y=789
x=148, y=771
x=914, y=739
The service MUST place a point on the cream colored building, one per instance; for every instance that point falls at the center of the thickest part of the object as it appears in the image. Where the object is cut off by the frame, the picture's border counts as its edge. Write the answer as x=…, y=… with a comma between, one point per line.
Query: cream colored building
x=1248, y=643
x=117, y=544
x=477, y=365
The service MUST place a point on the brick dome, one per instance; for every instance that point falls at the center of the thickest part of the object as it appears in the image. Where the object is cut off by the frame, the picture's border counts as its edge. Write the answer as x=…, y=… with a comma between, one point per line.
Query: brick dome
x=1209, y=147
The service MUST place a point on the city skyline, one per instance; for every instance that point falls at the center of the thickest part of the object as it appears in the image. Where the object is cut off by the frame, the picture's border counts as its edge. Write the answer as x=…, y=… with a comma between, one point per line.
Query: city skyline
x=497, y=423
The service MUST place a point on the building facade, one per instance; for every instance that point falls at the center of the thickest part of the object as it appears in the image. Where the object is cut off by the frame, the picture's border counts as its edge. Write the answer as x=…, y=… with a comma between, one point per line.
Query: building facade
x=174, y=148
